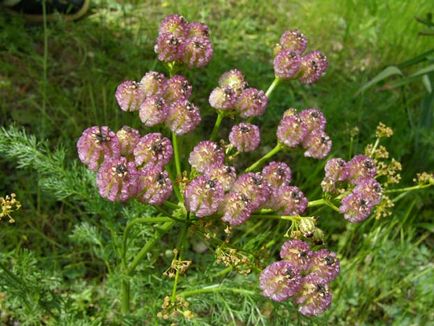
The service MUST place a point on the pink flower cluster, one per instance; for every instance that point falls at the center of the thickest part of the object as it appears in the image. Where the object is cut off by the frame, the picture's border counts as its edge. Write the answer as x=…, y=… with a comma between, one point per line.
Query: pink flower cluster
x=219, y=190
x=183, y=42
x=306, y=128
x=127, y=165
x=302, y=275
x=234, y=95
x=290, y=63
x=160, y=100
x=359, y=174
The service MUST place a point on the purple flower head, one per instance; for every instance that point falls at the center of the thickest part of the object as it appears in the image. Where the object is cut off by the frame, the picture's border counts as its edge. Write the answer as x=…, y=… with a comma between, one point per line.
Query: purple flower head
x=245, y=137
x=233, y=79
x=236, y=208
x=336, y=169
x=117, y=179
x=313, y=119
x=183, y=117
x=177, y=88
x=355, y=207
x=361, y=167
x=97, y=144
x=197, y=52
x=223, y=98
x=128, y=139
x=196, y=29
x=314, y=297
x=291, y=130
x=296, y=252
x=369, y=189
x=169, y=47
x=324, y=265
x=174, y=24
x=254, y=188
x=252, y=103
x=225, y=175
x=280, y=280
x=293, y=40
x=155, y=186
x=153, y=111
x=129, y=95
x=286, y=64
x=206, y=155
x=152, y=83
x=318, y=144
x=203, y=196
x=313, y=66
x=289, y=200
x=153, y=150
x=277, y=174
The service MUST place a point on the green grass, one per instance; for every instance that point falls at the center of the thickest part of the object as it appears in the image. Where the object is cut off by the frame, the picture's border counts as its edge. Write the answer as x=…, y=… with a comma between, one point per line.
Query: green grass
x=60, y=250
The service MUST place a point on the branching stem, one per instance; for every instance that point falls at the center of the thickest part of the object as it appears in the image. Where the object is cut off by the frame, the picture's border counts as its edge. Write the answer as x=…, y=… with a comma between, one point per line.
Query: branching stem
x=265, y=158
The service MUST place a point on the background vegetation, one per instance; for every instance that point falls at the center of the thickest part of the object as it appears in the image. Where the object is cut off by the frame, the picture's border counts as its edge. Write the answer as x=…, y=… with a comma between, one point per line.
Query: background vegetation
x=58, y=79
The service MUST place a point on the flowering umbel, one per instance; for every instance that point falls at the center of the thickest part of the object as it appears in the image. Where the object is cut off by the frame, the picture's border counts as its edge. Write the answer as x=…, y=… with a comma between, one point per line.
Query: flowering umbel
x=302, y=275
x=8, y=205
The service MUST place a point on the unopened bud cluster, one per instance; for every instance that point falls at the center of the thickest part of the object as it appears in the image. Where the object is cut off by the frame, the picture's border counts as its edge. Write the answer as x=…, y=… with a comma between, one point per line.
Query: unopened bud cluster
x=305, y=128
x=290, y=62
x=302, y=275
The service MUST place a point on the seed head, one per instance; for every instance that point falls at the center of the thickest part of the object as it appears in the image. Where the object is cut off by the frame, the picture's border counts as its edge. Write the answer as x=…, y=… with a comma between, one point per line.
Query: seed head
x=155, y=186
x=202, y=196
x=236, y=208
x=234, y=80
x=317, y=144
x=289, y=200
x=169, y=47
x=177, y=88
x=128, y=139
x=223, y=98
x=291, y=130
x=254, y=188
x=153, y=111
x=183, y=117
x=313, y=119
x=324, y=265
x=175, y=25
x=206, y=155
x=197, y=52
x=129, y=95
x=336, y=169
x=361, y=167
x=277, y=174
x=153, y=150
x=314, y=296
x=355, y=207
x=286, y=64
x=370, y=189
x=313, y=66
x=97, y=144
x=117, y=179
x=293, y=40
x=225, y=175
x=296, y=252
x=251, y=103
x=280, y=280
x=152, y=83
x=196, y=29
x=245, y=137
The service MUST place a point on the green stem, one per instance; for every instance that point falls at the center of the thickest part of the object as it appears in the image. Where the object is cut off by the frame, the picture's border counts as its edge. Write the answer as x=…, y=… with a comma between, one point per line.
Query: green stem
x=218, y=122
x=125, y=297
x=374, y=148
x=273, y=85
x=176, y=153
x=149, y=245
x=180, y=247
x=213, y=289
x=318, y=202
x=264, y=158
x=294, y=218
x=407, y=188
